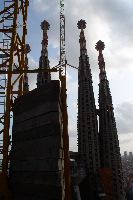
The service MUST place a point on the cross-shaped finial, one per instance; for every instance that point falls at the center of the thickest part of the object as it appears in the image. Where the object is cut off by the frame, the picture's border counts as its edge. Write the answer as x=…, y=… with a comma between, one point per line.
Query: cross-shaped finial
x=100, y=46
x=81, y=24
x=45, y=25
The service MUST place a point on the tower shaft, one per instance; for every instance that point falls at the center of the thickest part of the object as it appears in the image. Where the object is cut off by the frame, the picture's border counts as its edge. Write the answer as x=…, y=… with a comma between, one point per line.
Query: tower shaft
x=44, y=77
x=108, y=138
x=87, y=117
x=62, y=34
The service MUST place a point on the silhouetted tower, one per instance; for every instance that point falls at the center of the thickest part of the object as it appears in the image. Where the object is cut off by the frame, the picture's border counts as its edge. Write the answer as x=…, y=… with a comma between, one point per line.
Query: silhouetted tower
x=109, y=143
x=87, y=114
x=26, y=85
x=44, y=77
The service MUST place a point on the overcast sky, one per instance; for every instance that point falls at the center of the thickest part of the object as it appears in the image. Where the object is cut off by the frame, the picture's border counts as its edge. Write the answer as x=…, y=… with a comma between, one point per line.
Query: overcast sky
x=108, y=20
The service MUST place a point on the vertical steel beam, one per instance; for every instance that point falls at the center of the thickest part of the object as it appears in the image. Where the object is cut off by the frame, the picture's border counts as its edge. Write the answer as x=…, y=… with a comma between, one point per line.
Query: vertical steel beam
x=8, y=94
x=62, y=35
x=64, y=104
x=65, y=140
x=16, y=49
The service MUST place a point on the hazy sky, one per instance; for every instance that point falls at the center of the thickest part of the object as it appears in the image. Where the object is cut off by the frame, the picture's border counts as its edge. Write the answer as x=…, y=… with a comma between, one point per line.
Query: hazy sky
x=108, y=20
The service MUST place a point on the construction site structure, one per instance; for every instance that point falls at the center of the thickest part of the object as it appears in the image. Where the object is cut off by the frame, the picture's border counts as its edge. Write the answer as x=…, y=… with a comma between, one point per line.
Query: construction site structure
x=108, y=138
x=44, y=77
x=37, y=153
x=63, y=63
x=14, y=70
x=88, y=146
x=40, y=120
x=62, y=34
x=13, y=20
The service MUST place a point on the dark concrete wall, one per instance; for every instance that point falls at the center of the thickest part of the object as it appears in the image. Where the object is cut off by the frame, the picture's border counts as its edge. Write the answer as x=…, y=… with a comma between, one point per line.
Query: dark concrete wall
x=37, y=159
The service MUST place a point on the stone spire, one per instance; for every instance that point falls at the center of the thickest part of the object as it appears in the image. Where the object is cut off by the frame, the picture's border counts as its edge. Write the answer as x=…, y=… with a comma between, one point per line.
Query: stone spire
x=109, y=144
x=82, y=25
x=87, y=116
x=44, y=77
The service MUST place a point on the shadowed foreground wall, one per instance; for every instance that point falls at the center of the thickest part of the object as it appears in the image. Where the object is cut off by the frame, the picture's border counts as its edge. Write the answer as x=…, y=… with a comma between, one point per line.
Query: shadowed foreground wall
x=37, y=163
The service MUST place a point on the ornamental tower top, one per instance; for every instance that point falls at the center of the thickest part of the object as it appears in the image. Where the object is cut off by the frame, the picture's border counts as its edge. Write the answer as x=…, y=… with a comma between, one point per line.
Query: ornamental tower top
x=82, y=25
x=45, y=27
x=100, y=47
x=44, y=77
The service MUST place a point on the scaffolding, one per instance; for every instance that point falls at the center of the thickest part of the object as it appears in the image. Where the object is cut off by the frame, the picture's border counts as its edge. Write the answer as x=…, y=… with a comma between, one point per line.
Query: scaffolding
x=7, y=16
x=14, y=80
x=62, y=34
x=13, y=27
x=63, y=63
x=13, y=30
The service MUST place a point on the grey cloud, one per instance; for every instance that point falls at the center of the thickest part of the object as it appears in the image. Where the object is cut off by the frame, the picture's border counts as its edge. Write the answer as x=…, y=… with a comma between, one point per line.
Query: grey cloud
x=73, y=141
x=116, y=20
x=117, y=15
x=44, y=5
x=126, y=141
x=124, y=118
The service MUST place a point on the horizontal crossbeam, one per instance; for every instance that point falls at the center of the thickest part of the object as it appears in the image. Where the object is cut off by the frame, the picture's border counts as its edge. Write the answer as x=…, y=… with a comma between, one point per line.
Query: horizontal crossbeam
x=28, y=71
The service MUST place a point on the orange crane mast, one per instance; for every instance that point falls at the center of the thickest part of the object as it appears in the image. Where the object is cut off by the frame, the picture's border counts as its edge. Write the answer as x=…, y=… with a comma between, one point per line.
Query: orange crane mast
x=13, y=20
x=14, y=80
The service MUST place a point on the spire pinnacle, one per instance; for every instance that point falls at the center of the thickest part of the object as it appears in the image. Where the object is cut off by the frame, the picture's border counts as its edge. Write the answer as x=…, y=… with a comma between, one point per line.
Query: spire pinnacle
x=108, y=139
x=82, y=25
x=45, y=27
x=44, y=77
x=100, y=47
x=86, y=112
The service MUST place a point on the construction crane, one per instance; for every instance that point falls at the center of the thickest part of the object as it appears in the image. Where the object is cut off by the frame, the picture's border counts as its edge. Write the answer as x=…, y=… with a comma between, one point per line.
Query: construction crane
x=13, y=21
x=64, y=107
x=62, y=35
x=14, y=80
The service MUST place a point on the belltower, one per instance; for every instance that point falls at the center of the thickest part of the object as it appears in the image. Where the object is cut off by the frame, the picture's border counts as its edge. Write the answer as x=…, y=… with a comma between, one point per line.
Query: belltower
x=44, y=77
x=88, y=148
x=108, y=138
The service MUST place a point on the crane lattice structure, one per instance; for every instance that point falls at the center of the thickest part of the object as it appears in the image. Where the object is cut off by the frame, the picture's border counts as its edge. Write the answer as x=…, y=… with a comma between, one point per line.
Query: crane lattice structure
x=13, y=20
x=14, y=79
x=13, y=57
x=62, y=34
x=63, y=63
